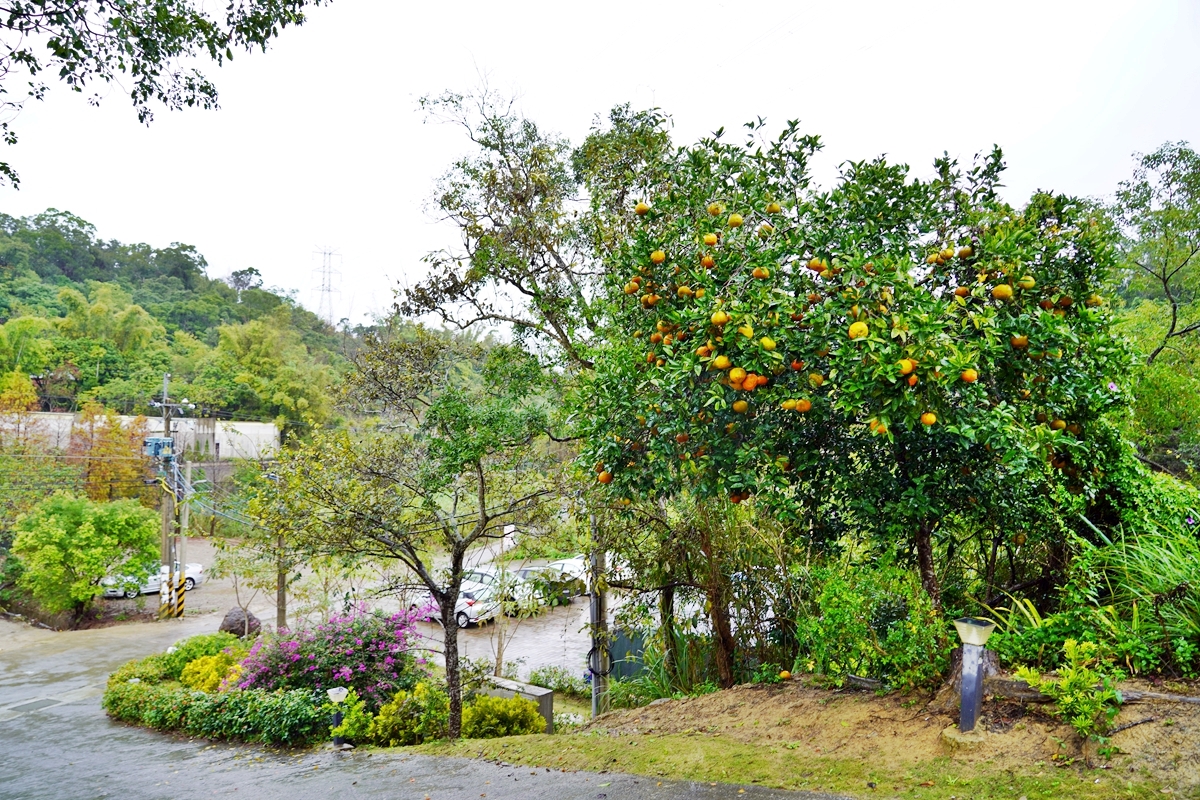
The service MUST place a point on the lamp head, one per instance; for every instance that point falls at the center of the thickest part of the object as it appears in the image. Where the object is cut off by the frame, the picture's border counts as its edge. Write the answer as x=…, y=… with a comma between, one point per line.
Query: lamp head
x=337, y=694
x=974, y=630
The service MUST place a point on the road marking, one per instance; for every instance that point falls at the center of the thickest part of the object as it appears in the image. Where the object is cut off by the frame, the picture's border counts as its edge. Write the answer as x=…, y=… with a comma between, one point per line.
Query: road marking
x=40, y=703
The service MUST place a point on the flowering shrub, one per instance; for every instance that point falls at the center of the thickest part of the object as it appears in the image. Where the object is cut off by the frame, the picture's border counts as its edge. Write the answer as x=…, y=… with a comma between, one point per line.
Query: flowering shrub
x=368, y=652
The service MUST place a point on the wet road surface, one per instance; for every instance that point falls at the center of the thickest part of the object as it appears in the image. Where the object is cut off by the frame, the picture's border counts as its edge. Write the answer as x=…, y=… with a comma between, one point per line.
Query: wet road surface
x=56, y=743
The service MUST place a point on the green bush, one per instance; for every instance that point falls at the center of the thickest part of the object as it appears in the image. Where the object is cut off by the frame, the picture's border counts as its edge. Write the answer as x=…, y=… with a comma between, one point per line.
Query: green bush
x=205, y=644
x=151, y=669
x=68, y=545
x=206, y=673
x=561, y=680
x=1085, y=694
x=1135, y=597
x=489, y=717
x=412, y=717
x=289, y=718
x=874, y=622
x=356, y=720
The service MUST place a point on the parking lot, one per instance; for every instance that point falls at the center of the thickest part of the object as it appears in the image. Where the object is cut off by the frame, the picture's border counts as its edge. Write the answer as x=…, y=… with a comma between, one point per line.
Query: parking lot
x=555, y=637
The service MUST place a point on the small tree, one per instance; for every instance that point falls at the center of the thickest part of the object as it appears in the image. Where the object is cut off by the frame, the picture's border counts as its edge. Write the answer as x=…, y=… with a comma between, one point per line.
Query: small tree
x=453, y=460
x=110, y=453
x=68, y=545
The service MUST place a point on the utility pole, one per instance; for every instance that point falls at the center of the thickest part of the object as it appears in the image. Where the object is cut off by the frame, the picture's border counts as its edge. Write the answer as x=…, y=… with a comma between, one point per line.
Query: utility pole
x=181, y=550
x=173, y=547
x=166, y=589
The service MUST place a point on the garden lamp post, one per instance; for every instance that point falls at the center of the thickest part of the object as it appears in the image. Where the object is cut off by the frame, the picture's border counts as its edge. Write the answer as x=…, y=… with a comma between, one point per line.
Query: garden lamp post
x=337, y=694
x=974, y=634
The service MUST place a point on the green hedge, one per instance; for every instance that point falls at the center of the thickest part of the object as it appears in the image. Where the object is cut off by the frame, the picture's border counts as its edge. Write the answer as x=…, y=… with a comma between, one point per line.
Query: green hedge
x=291, y=718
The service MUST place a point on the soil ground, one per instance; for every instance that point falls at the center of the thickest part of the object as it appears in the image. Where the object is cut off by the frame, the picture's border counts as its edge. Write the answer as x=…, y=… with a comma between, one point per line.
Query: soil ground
x=793, y=736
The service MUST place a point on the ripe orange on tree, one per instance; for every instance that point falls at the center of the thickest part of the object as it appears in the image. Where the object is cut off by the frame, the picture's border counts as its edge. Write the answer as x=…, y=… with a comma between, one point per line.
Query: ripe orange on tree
x=735, y=220
x=969, y=375
x=641, y=209
x=906, y=365
x=605, y=477
x=710, y=239
x=1002, y=291
x=858, y=330
x=928, y=418
x=658, y=257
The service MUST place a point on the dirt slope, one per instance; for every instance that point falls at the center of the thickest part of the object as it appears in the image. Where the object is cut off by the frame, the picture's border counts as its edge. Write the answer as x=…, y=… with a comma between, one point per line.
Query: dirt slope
x=895, y=732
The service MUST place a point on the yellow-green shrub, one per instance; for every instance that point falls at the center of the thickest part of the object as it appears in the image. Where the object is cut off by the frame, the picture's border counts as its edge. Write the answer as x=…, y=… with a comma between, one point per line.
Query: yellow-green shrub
x=412, y=717
x=207, y=672
x=489, y=717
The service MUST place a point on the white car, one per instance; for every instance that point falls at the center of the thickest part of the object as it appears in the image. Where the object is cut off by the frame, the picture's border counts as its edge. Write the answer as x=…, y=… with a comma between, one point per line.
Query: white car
x=477, y=602
x=527, y=588
x=129, y=586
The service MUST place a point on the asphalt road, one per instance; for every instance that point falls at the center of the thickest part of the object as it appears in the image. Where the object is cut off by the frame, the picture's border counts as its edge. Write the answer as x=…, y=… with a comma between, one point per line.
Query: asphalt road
x=56, y=743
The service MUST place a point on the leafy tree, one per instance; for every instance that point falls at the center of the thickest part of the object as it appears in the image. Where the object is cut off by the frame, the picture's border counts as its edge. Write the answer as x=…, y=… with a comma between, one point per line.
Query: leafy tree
x=453, y=460
x=1158, y=209
x=144, y=45
x=263, y=368
x=28, y=470
x=67, y=545
x=110, y=455
x=528, y=260
x=916, y=347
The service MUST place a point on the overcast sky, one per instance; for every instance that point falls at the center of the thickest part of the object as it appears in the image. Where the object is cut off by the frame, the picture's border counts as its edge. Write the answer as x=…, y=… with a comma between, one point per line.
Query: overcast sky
x=319, y=141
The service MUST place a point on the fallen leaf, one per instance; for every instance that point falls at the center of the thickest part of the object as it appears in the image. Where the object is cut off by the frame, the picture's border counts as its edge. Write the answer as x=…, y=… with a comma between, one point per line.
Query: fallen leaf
x=927, y=783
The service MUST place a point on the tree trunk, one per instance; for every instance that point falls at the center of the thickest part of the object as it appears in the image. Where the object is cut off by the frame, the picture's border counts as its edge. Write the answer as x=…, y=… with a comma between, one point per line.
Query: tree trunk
x=666, y=612
x=929, y=578
x=501, y=628
x=453, y=672
x=714, y=590
x=725, y=644
x=280, y=587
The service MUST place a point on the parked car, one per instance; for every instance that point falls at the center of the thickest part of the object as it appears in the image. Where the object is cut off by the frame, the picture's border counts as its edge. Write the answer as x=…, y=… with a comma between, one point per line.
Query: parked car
x=574, y=572
x=477, y=602
x=131, y=586
x=522, y=589
x=547, y=585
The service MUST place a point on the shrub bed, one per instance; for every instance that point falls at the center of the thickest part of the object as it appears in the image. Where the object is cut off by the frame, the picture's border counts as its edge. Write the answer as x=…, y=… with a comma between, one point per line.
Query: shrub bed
x=211, y=686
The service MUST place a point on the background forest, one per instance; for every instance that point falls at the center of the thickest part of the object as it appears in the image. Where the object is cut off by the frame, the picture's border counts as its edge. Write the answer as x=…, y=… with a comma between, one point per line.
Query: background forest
x=102, y=321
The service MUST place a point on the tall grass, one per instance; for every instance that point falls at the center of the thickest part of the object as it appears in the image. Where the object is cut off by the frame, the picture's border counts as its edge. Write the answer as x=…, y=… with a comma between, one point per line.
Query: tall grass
x=1154, y=579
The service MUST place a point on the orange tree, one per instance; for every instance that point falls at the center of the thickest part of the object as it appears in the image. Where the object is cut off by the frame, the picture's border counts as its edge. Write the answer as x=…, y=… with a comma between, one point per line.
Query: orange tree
x=884, y=356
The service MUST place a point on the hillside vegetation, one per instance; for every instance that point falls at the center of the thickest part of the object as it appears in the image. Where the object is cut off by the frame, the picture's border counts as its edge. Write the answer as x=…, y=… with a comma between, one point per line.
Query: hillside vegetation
x=103, y=320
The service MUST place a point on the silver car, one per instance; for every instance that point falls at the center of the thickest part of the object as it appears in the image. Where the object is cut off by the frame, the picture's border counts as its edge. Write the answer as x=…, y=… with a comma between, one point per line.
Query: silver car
x=477, y=602
x=129, y=586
